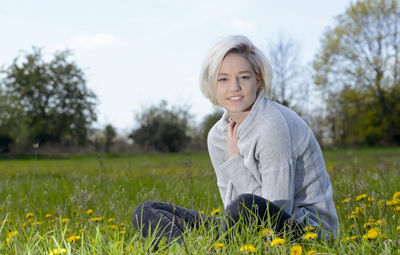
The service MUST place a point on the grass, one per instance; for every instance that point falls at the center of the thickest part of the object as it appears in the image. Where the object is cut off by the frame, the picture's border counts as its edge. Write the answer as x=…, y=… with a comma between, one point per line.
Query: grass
x=83, y=204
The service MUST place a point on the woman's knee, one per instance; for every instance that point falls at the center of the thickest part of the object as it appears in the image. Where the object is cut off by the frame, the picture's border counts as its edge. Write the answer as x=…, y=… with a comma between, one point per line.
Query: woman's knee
x=142, y=212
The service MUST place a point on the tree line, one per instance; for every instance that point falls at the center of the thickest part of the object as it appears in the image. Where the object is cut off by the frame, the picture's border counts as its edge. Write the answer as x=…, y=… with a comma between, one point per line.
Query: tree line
x=356, y=72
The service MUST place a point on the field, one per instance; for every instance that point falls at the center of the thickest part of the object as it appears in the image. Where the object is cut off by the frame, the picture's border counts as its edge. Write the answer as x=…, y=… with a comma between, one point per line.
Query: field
x=83, y=204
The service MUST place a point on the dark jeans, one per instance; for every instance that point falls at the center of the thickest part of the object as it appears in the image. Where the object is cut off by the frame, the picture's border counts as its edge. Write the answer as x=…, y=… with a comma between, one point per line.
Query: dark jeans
x=169, y=220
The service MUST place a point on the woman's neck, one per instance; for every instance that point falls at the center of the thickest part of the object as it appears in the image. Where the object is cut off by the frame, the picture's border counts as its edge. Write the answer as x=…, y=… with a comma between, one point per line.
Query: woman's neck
x=238, y=117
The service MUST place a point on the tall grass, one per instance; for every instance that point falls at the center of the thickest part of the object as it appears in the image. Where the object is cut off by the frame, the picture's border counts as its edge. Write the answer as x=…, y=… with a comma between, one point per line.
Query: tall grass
x=92, y=198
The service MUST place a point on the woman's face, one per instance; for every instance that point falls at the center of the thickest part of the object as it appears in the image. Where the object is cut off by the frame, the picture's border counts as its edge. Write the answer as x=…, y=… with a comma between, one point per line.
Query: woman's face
x=237, y=84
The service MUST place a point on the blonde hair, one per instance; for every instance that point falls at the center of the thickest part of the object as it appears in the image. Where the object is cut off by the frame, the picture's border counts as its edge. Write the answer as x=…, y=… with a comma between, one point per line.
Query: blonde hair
x=237, y=44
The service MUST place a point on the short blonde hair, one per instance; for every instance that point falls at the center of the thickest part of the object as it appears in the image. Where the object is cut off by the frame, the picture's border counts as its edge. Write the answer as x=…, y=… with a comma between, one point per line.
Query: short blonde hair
x=238, y=44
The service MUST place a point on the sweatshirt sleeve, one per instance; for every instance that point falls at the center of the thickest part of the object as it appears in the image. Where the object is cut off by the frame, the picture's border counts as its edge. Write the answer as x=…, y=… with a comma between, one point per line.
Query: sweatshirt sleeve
x=276, y=164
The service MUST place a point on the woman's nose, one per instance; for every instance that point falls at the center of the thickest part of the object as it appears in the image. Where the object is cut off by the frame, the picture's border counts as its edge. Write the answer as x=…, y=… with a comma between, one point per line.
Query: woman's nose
x=234, y=86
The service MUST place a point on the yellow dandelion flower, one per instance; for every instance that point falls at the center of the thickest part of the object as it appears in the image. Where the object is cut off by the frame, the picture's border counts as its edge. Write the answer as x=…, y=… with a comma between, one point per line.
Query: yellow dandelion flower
x=122, y=225
x=248, y=247
x=396, y=195
x=278, y=241
x=64, y=220
x=266, y=243
x=52, y=220
x=215, y=211
x=58, y=251
x=218, y=246
x=97, y=219
x=37, y=223
x=11, y=236
x=310, y=235
x=380, y=222
x=266, y=231
x=89, y=211
x=371, y=199
x=372, y=233
x=111, y=220
x=308, y=228
x=48, y=215
x=381, y=203
x=368, y=224
x=398, y=228
x=353, y=237
x=29, y=215
x=397, y=208
x=73, y=239
x=202, y=211
x=393, y=202
x=346, y=200
x=310, y=252
x=5, y=221
x=345, y=239
x=361, y=197
x=26, y=222
x=122, y=232
x=113, y=227
x=296, y=250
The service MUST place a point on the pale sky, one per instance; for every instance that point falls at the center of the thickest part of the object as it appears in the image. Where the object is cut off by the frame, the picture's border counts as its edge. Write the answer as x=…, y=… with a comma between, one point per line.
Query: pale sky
x=135, y=53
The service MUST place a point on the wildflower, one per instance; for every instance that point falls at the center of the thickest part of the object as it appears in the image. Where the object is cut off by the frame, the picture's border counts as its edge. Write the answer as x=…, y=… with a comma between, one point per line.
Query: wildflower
x=308, y=228
x=396, y=195
x=248, y=247
x=29, y=215
x=393, y=202
x=353, y=237
x=97, y=219
x=397, y=208
x=361, y=197
x=52, y=220
x=218, y=246
x=296, y=250
x=369, y=224
x=26, y=222
x=277, y=241
x=310, y=235
x=346, y=200
x=266, y=231
x=64, y=220
x=113, y=226
x=202, y=211
x=89, y=211
x=215, y=211
x=73, y=239
x=4, y=221
x=122, y=232
x=398, y=228
x=371, y=199
x=381, y=222
x=310, y=252
x=111, y=220
x=11, y=235
x=122, y=225
x=381, y=203
x=58, y=251
x=352, y=216
x=372, y=233
x=37, y=223
x=48, y=215
x=266, y=243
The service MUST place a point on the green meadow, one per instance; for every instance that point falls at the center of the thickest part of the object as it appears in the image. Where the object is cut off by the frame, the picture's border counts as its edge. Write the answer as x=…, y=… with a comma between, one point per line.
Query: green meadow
x=82, y=204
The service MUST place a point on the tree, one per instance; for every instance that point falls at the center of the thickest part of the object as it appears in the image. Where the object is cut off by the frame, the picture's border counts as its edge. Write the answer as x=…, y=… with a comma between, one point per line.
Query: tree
x=162, y=129
x=361, y=56
x=209, y=121
x=52, y=96
x=109, y=135
x=287, y=85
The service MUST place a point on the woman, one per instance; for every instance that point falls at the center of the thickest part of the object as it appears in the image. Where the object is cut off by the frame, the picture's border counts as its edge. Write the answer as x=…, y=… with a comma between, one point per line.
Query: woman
x=268, y=163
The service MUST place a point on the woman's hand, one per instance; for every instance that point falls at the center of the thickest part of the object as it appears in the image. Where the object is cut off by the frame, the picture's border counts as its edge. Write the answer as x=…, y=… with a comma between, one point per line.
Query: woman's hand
x=232, y=140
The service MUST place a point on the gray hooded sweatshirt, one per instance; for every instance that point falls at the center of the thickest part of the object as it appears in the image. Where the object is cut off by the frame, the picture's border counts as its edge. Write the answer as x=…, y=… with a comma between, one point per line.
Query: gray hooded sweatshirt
x=280, y=160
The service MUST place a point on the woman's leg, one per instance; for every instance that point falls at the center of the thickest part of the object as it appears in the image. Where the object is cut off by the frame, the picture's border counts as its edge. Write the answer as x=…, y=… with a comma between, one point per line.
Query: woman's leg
x=165, y=220
x=255, y=209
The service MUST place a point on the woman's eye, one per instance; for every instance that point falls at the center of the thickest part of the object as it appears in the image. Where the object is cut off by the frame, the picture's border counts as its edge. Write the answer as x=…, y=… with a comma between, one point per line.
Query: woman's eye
x=245, y=77
x=222, y=79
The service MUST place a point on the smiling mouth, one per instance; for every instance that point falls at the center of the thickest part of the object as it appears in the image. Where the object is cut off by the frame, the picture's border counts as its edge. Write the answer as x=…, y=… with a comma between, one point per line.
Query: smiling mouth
x=235, y=98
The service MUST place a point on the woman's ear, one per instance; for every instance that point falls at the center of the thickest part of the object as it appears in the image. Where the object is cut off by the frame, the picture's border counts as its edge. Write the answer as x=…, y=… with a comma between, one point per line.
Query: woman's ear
x=258, y=81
